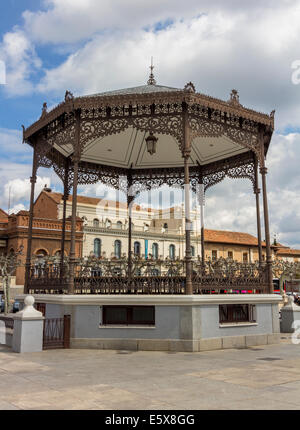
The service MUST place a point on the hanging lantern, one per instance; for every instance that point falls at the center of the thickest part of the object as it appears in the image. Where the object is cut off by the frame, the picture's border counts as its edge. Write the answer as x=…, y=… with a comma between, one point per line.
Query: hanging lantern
x=151, y=142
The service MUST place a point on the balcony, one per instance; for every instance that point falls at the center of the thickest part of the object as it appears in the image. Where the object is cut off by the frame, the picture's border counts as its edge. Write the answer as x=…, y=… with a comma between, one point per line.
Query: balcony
x=116, y=228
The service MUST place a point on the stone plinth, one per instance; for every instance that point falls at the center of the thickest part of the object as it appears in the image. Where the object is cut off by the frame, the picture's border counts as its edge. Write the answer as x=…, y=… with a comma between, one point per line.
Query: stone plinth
x=28, y=328
x=182, y=322
x=289, y=314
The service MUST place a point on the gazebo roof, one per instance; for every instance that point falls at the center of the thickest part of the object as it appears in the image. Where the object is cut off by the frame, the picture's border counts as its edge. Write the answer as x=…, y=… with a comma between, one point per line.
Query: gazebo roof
x=141, y=89
x=114, y=126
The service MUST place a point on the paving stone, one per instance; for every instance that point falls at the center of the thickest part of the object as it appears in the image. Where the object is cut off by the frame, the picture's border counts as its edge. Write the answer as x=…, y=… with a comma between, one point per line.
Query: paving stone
x=106, y=379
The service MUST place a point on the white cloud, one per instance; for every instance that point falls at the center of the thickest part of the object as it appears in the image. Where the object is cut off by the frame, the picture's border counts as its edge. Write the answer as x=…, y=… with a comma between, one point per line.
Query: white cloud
x=11, y=146
x=251, y=49
x=16, y=208
x=56, y=23
x=218, y=45
x=19, y=189
x=21, y=61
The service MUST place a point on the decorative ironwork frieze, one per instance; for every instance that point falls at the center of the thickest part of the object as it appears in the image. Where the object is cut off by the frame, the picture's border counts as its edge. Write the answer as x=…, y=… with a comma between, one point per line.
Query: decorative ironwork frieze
x=152, y=276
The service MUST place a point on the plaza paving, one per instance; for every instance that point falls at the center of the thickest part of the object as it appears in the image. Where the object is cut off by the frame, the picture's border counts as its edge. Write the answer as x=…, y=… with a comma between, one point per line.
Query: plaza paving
x=264, y=377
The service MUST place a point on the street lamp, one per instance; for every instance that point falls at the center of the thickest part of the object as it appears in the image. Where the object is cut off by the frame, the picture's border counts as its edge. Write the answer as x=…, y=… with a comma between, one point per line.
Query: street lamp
x=151, y=142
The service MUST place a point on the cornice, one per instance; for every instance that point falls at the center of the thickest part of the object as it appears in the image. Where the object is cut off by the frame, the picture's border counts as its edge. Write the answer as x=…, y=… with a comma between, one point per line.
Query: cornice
x=157, y=98
x=159, y=300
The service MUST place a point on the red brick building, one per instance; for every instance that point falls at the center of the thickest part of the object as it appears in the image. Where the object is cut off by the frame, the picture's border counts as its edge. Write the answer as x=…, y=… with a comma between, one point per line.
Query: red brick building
x=47, y=231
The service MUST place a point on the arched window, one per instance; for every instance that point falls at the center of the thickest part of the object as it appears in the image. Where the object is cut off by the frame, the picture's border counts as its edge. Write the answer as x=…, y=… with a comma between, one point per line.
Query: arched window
x=155, y=250
x=165, y=225
x=193, y=251
x=96, y=222
x=137, y=248
x=97, y=247
x=172, y=252
x=119, y=225
x=118, y=248
x=41, y=252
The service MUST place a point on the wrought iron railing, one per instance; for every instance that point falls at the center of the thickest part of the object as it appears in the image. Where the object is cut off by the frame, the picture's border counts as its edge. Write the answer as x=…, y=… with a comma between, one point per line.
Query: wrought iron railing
x=146, y=276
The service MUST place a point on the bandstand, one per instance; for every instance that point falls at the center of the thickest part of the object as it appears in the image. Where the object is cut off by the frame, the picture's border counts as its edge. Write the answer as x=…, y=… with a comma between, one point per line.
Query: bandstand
x=134, y=140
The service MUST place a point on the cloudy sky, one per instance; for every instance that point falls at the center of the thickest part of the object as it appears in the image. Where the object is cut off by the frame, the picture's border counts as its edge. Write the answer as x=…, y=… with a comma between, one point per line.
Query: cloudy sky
x=89, y=46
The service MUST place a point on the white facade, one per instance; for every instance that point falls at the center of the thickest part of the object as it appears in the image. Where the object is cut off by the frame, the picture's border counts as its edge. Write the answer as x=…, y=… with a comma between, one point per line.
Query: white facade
x=156, y=231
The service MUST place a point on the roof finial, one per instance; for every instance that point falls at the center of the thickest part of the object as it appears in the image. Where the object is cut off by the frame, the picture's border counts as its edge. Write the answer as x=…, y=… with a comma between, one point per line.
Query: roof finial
x=151, y=80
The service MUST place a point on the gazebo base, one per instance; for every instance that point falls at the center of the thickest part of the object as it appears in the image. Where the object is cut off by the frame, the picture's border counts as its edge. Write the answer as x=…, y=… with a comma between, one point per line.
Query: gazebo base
x=167, y=323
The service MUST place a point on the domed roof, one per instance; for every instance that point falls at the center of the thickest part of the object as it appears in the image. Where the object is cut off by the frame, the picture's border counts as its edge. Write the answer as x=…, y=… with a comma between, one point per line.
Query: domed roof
x=142, y=89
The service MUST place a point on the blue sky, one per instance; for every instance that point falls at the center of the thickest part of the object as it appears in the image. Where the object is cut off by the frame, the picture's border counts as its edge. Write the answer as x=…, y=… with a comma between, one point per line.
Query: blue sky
x=88, y=46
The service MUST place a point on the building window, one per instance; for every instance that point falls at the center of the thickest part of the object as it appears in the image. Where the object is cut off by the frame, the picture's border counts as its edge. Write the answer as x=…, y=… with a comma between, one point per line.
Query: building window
x=165, y=225
x=237, y=313
x=95, y=222
x=119, y=225
x=193, y=251
x=97, y=247
x=107, y=223
x=172, y=252
x=41, y=253
x=129, y=315
x=245, y=257
x=155, y=250
x=118, y=249
x=214, y=254
x=137, y=248
x=230, y=255
x=263, y=257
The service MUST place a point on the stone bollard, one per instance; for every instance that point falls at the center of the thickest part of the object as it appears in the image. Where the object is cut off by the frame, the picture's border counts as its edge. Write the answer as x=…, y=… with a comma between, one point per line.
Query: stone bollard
x=28, y=328
x=289, y=314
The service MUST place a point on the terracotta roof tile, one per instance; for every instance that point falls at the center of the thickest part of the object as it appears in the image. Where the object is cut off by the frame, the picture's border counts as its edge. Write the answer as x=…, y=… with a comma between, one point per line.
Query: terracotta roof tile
x=220, y=236
x=22, y=212
x=288, y=251
x=57, y=197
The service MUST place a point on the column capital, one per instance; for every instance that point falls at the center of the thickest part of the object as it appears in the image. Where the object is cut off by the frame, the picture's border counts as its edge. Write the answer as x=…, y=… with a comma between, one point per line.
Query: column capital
x=263, y=170
x=186, y=152
x=76, y=158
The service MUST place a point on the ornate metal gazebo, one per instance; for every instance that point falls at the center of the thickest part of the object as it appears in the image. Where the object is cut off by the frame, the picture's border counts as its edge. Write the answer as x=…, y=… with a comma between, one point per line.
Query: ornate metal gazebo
x=140, y=138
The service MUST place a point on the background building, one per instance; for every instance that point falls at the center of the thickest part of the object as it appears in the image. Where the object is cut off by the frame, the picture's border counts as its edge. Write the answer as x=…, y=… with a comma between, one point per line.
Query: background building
x=102, y=230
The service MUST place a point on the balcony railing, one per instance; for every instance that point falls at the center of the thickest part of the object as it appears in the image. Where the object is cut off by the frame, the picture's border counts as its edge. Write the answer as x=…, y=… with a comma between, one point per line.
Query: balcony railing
x=90, y=226
x=152, y=276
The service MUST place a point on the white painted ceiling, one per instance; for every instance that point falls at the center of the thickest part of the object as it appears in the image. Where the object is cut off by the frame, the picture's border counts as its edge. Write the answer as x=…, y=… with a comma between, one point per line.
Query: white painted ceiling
x=129, y=148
